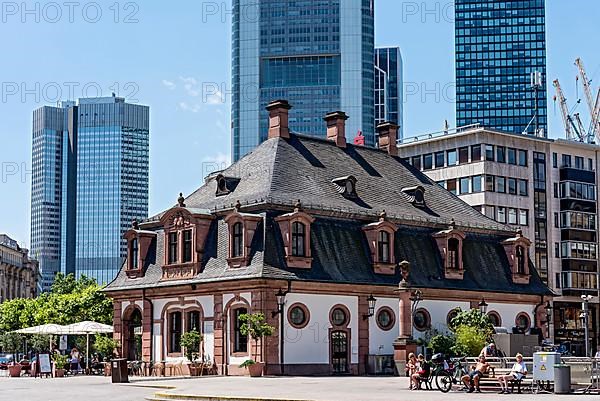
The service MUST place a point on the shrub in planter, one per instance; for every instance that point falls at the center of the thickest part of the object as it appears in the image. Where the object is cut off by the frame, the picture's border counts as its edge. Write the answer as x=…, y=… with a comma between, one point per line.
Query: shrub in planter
x=254, y=325
x=60, y=362
x=190, y=341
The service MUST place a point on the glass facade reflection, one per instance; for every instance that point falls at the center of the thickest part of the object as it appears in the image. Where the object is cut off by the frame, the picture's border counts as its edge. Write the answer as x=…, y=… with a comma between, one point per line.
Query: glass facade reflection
x=98, y=185
x=318, y=55
x=388, y=87
x=499, y=43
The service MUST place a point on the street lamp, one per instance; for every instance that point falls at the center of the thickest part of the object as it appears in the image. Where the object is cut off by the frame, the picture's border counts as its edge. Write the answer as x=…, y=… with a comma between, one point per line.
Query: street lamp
x=416, y=298
x=482, y=306
x=281, y=294
x=371, y=309
x=584, y=316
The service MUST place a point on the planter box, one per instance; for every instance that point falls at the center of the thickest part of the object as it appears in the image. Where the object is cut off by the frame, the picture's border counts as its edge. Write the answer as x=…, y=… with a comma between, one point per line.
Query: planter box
x=256, y=370
x=59, y=373
x=14, y=371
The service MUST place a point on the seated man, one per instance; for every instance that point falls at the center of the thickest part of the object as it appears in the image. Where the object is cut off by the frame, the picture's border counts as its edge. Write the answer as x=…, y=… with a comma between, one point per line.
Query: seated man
x=488, y=351
x=422, y=373
x=472, y=379
x=518, y=372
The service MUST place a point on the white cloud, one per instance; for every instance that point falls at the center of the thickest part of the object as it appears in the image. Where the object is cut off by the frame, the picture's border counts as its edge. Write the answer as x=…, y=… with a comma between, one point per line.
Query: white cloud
x=215, y=98
x=169, y=84
x=194, y=108
x=190, y=85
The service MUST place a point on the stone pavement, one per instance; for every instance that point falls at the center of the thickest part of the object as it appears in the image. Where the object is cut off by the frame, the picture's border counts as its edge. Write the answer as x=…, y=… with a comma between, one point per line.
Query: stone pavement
x=218, y=388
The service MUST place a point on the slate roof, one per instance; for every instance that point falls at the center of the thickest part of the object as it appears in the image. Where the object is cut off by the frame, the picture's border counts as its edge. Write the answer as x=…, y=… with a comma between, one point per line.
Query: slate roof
x=281, y=171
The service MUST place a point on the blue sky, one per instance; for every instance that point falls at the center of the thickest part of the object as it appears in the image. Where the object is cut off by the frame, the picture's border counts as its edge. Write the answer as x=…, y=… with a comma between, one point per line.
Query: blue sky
x=175, y=57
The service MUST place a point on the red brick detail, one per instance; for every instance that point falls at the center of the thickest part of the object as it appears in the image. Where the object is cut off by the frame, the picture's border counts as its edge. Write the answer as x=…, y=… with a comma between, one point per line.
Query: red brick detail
x=372, y=231
x=512, y=247
x=336, y=128
x=405, y=315
x=363, y=334
x=388, y=135
x=249, y=224
x=278, y=119
x=147, y=331
x=442, y=240
x=219, y=352
x=118, y=325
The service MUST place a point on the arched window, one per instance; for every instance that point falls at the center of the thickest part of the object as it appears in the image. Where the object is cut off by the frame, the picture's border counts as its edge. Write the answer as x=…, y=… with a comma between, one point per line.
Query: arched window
x=298, y=239
x=175, y=332
x=520, y=260
x=134, y=253
x=383, y=247
x=453, y=245
x=173, y=247
x=237, y=240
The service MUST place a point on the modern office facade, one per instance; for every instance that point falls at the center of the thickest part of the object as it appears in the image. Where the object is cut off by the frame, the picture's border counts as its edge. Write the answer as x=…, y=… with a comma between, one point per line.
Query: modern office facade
x=317, y=55
x=18, y=272
x=389, y=87
x=547, y=188
x=89, y=181
x=498, y=44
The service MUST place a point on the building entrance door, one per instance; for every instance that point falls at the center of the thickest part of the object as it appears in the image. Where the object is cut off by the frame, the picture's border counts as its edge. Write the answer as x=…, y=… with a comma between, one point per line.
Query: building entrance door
x=339, y=352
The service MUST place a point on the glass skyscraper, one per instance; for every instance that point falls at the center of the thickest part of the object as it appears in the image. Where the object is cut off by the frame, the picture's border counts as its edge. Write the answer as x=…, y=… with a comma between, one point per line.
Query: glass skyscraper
x=499, y=43
x=388, y=87
x=318, y=55
x=89, y=182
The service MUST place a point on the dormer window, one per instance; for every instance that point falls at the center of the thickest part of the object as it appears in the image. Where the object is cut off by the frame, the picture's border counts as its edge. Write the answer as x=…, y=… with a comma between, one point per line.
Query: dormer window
x=138, y=244
x=237, y=240
x=383, y=246
x=185, y=232
x=295, y=232
x=345, y=186
x=380, y=236
x=225, y=185
x=416, y=195
x=242, y=227
x=517, y=250
x=450, y=244
x=298, y=239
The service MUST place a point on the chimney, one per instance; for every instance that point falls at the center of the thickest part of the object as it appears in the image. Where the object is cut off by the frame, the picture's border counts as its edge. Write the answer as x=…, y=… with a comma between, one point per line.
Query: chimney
x=388, y=135
x=336, y=127
x=278, y=119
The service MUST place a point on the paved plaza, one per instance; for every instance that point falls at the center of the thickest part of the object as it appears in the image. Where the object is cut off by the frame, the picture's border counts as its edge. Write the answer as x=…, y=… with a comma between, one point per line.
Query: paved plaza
x=236, y=388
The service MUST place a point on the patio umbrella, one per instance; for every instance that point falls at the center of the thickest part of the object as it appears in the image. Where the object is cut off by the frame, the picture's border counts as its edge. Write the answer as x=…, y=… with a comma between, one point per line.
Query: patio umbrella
x=46, y=329
x=87, y=328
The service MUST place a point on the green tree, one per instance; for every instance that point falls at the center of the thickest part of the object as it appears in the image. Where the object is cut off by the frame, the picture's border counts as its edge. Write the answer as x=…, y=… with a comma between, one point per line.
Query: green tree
x=473, y=318
x=11, y=342
x=105, y=345
x=255, y=326
x=469, y=340
x=41, y=342
x=442, y=344
x=191, y=340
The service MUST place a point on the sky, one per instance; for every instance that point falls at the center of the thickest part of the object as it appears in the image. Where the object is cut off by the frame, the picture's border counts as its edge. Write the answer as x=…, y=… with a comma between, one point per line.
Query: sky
x=175, y=57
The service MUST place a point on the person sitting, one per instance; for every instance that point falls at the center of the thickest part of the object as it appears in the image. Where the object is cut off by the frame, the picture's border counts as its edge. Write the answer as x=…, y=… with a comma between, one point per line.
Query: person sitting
x=488, y=351
x=422, y=373
x=74, y=360
x=411, y=368
x=517, y=372
x=472, y=379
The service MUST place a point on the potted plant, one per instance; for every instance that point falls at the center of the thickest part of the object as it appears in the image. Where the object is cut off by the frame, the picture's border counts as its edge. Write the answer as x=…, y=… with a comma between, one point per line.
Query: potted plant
x=11, y=342
x=254, y=325
x=190, y=341
x=60, y=361
x=106, y=346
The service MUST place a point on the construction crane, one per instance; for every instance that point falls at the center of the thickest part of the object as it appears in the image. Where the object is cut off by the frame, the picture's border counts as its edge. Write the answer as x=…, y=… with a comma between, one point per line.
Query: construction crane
x=570, y=129
x=593, y=105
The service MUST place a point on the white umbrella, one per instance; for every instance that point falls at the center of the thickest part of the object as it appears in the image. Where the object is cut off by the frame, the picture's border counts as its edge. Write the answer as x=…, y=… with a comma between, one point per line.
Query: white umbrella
x=87, y=328
x=45, y=329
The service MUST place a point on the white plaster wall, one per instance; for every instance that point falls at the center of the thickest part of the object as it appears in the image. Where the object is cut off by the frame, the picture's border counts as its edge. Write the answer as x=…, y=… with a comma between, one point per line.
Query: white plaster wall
x=509, y=312
x=159, y=305
x=439, y=311
x=311, y=344
x=380, y=341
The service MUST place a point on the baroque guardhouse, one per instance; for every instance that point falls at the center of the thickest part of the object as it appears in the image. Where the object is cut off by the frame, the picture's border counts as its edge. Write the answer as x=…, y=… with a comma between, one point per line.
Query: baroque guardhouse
x=330, y=241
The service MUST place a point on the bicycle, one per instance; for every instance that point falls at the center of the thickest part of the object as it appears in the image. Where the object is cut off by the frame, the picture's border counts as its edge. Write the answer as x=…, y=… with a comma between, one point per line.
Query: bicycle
x=452, y=374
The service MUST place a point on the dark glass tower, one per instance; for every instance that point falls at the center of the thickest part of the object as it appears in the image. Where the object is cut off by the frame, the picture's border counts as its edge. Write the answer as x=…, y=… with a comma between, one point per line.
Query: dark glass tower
x=388, y=87
x=90, y=180
x=318, y=55
x=499, y=44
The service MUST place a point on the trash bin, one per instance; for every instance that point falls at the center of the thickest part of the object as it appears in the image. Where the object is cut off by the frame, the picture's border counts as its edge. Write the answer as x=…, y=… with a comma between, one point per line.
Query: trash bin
x=562, y=379
x=119, y=371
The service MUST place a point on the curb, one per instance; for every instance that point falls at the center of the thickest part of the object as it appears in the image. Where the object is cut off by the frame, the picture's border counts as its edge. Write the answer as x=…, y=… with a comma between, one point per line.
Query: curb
x=190, y=397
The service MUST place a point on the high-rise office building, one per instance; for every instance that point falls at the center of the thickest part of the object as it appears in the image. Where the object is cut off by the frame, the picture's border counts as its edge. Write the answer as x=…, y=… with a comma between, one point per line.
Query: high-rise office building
x=89, y=182
x=318, y=55
x=388, y=87
x=499, y=44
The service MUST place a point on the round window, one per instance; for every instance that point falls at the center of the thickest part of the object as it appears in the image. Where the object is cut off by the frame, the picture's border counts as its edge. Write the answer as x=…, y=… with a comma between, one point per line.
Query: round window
x=385, y=318
x=422, y=320
x=495, y=318
x=451, y=315
x=298, y=316
x=522, y=321
x=339, y=317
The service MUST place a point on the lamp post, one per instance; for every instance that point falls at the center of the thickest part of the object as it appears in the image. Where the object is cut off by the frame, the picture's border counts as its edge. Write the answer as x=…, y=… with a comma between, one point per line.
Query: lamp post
x=371, y=300
x=482, y=306
x=415, y=299
x=281, y=294
x=584, y=316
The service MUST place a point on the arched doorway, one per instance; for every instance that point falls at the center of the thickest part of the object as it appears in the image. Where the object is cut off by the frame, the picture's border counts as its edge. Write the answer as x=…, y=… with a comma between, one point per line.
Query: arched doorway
x=339, y=351
x=132, y=334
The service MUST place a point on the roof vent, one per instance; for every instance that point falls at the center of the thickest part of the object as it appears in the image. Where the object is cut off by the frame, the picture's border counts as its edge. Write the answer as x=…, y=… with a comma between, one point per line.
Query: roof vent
x=416, y=195
x=345, y=186
x=225, y=185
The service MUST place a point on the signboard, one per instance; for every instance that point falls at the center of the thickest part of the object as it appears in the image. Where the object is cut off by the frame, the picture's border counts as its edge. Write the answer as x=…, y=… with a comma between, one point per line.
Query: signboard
x=63, y=343
x=44, y=360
